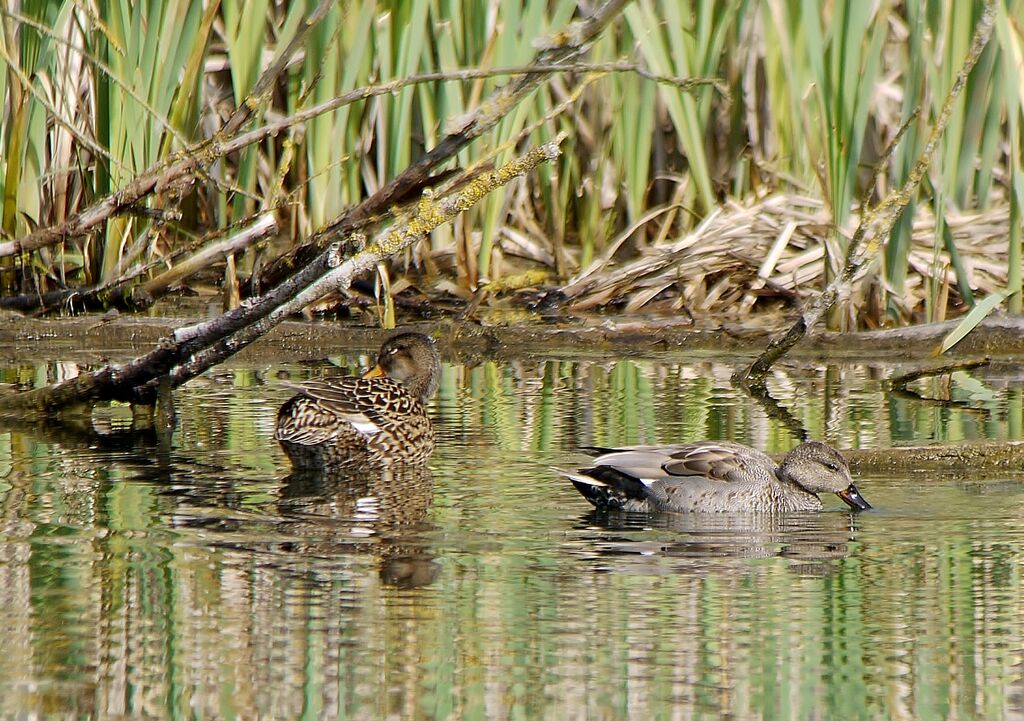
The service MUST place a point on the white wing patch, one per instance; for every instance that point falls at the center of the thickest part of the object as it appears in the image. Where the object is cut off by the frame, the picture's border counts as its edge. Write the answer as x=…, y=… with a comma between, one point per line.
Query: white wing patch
x=362, y=424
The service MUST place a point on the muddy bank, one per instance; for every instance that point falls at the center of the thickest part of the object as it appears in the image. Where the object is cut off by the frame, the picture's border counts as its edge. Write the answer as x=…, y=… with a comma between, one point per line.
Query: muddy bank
x=93, y=339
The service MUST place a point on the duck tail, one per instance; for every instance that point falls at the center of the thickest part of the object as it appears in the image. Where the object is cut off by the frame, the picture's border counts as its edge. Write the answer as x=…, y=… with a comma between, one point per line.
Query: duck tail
x=608, y=487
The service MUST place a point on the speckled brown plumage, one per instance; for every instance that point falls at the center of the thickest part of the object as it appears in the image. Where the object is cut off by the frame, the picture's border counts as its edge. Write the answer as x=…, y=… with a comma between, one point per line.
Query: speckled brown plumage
x=378, y=419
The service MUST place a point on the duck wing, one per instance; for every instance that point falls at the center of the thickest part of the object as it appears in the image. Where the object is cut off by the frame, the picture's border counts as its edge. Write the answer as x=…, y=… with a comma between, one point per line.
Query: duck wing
x=726, y=462
x=366, y=405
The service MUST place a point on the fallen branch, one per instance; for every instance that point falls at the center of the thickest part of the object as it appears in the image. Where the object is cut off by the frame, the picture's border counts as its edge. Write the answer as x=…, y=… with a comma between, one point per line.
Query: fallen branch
x=202, y=259
x=966, y=458
x=897, y=385
x=191, y=350
x=876, y=224
x=429, y=215
x=900, y=382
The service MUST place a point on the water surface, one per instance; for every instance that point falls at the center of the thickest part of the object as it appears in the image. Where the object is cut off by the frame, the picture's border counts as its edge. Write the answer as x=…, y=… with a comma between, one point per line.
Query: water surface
x=200, y=578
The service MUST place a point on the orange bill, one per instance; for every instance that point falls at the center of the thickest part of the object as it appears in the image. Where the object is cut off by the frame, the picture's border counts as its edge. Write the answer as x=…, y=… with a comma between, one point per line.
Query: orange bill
x=375, y=372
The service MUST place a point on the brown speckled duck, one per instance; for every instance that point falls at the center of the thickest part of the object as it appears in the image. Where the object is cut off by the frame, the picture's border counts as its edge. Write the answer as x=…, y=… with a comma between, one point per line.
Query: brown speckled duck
x=716, y=476
x=377, y=419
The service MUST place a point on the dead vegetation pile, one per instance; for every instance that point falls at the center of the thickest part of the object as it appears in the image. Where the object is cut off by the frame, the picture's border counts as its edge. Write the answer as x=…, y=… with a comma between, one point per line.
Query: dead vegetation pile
x=771, y=254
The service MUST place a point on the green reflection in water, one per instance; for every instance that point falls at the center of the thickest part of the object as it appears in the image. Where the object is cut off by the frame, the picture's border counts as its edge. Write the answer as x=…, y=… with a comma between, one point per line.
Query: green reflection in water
x=205, y=581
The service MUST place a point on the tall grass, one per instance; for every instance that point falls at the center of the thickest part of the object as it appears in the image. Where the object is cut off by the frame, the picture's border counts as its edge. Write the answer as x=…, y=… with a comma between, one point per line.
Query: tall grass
x=836, y=60
x=817, y=92
x=973, y=148
x=146, y=49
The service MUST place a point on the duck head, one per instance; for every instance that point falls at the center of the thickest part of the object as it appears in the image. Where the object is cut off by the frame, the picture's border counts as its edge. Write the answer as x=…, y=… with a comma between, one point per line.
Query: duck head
x=819, y=468
x=412, y=360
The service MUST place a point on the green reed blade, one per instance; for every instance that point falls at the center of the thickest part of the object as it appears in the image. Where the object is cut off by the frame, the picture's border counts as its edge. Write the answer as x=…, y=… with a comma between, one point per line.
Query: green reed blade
x=408, y=62
x=185, y=109
x=325, y=188
x=962, y=277
x=670, y=56
x=978, y=313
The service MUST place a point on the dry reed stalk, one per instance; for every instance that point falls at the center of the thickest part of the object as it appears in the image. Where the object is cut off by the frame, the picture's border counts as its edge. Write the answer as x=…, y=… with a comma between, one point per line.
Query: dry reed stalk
x=771, y=250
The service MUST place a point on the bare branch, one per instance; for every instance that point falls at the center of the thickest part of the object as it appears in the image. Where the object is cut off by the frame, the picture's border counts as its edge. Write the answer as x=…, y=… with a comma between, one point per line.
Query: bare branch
x=212, y=253
x=428, y=216
x=128, y=293
x=262, y=86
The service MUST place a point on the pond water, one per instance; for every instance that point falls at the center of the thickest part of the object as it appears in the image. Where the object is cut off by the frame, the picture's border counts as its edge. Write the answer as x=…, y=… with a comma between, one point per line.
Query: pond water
x=197, y=578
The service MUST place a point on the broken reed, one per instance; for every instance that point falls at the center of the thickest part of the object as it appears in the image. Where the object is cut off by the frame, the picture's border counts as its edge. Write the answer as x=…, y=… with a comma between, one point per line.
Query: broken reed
x=817, y=94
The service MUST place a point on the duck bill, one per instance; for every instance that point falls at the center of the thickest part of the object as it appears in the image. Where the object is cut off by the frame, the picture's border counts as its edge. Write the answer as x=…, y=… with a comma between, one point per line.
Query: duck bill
x=853, y=498
x=375, y=372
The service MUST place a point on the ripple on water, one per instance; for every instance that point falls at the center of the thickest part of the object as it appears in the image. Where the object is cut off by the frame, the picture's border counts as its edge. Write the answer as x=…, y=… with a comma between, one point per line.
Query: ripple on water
x=212, y=581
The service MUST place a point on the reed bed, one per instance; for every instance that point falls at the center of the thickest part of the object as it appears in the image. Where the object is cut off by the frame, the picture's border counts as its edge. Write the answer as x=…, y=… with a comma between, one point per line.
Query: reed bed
x=735, y=198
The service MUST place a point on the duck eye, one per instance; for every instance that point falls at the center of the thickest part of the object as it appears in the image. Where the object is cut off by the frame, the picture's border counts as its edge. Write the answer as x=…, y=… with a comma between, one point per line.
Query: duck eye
x=832, y=466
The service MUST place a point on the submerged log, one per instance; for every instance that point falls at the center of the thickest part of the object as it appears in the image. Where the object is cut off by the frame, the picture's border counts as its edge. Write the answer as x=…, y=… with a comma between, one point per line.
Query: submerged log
x=966, y=458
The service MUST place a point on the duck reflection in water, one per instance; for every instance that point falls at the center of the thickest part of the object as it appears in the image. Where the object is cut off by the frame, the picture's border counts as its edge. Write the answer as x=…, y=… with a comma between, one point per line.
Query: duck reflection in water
x=358, y=447
x=380, y=511
x=628, y=541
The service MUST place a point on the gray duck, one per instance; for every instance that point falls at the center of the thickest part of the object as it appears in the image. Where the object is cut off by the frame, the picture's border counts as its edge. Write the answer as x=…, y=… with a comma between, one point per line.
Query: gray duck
x=377, y=419
x=715, y=476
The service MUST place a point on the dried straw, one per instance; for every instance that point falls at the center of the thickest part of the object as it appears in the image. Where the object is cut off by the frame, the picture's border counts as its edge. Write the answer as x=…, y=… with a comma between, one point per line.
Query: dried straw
x=747, y=258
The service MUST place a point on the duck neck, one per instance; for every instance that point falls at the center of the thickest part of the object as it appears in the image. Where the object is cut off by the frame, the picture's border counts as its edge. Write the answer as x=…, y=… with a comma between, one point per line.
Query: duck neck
x=793, y=496
x=422, y=386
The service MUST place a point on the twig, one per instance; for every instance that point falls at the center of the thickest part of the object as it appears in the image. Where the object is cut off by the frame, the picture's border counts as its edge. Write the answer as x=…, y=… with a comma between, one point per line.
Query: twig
x=876, y=223
x=897, y=386
x=900, y=382
x=241, y=240
x=127, y=293
x=263, y=86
